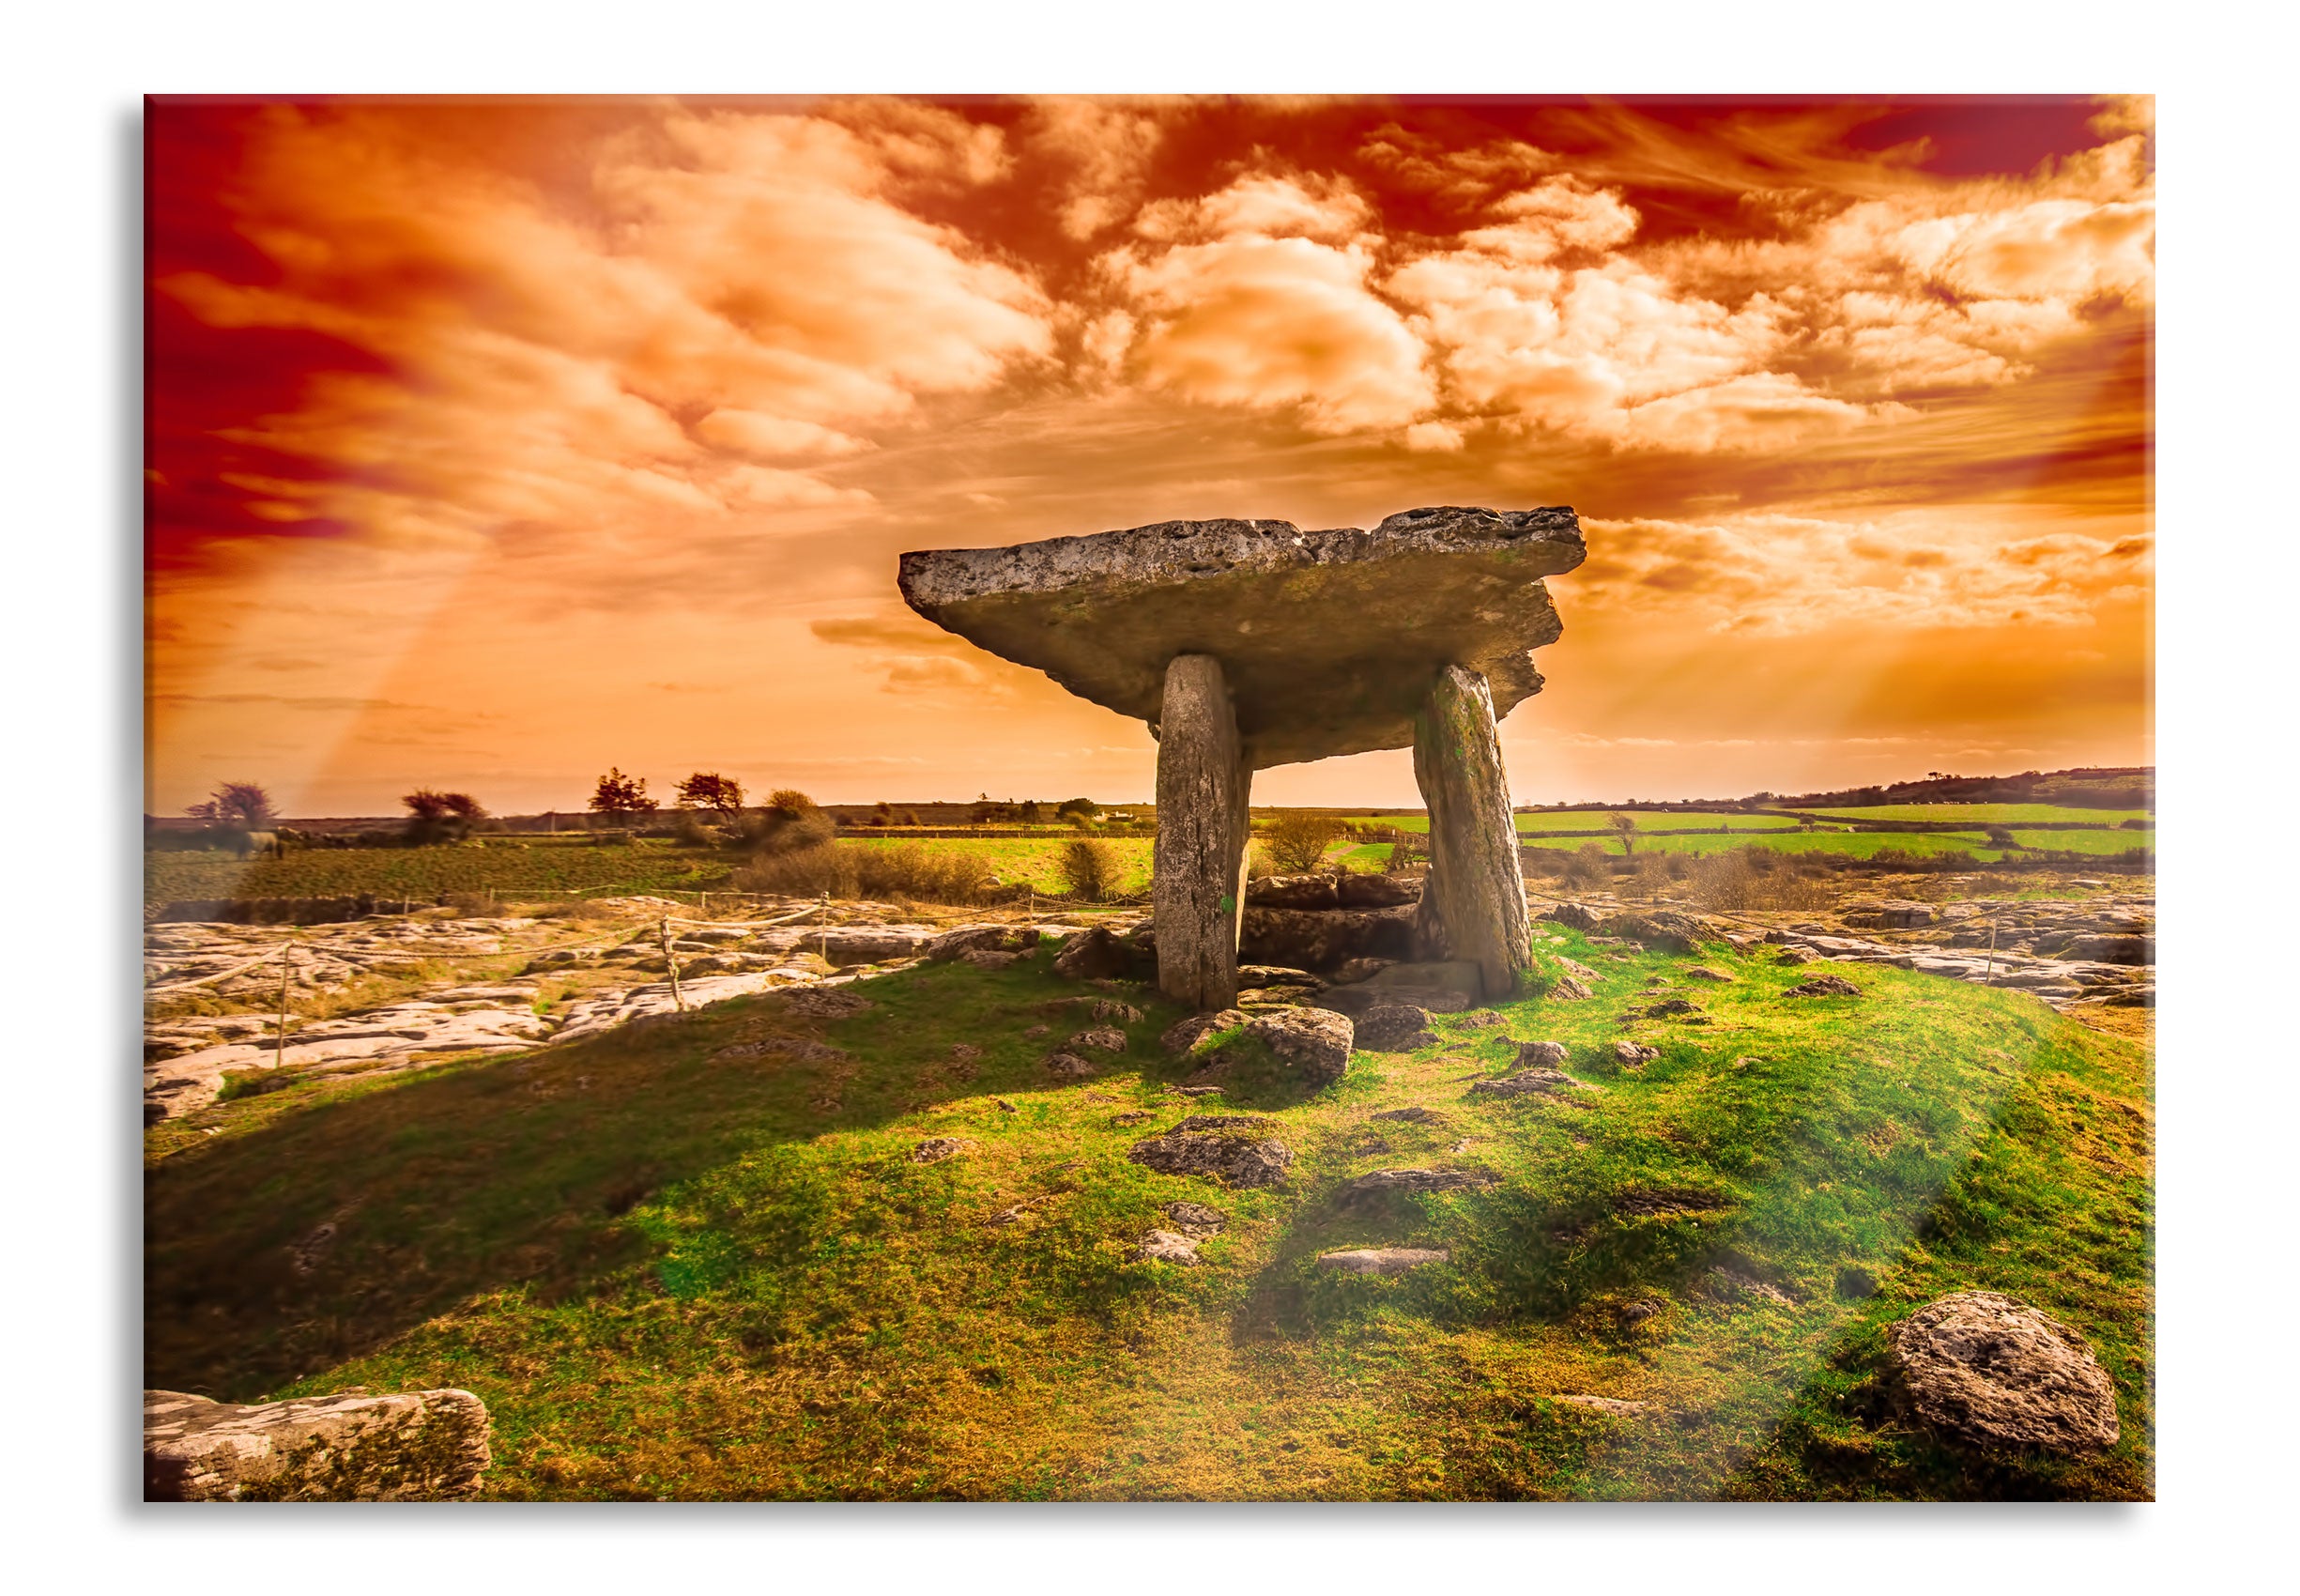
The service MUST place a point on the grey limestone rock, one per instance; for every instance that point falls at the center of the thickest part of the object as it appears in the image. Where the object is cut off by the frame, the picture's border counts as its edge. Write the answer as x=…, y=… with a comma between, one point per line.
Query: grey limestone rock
x=1380, y=1260
x=1539, y=1055
x=1383, y=1181
x=1315, y=1041
x=1328, y=638
x=1166, y=1247
x=1229, y=1148
x=412, y=1446
x=1991, y=1371
x=1184, y=1035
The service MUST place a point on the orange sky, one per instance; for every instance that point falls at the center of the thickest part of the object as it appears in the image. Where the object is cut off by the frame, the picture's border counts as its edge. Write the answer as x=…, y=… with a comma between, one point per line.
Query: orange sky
x=494, y=444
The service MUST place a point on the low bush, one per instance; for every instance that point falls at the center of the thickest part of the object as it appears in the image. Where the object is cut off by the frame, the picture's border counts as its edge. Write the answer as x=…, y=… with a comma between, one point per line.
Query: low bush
x=1586, y=867
x=1756, y=878
x=1091, y=869
x=1298, y=840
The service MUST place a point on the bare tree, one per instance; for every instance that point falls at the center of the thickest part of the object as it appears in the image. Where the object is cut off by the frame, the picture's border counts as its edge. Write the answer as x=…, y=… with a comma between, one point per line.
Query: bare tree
x=1625, y=826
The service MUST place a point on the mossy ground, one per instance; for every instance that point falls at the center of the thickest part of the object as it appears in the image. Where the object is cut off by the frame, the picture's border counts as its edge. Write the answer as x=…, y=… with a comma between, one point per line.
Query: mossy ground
x=675, y=1277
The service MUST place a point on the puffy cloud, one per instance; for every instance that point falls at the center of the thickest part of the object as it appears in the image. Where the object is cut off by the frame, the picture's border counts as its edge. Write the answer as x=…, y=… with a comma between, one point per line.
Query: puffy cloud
x=1269, y=307
x=544, y=348
x=1107, y=147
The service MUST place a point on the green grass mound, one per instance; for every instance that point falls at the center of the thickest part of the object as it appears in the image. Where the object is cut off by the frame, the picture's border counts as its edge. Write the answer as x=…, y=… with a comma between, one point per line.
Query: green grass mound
x=706, y=1259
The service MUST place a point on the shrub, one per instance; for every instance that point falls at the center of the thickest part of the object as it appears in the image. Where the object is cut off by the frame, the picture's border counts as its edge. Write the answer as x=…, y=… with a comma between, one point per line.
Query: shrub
x=688, y=831
x=1091, y=869
x=1754, y=878
x=1586, y=867
x=1257, y=862
x=1298, y=840
x=788, y=827
x=1650, y=878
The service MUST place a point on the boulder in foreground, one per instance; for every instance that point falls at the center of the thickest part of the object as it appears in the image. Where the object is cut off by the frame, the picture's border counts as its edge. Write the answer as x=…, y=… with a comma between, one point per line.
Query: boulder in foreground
x=1991, y=1371
x=414, y=1446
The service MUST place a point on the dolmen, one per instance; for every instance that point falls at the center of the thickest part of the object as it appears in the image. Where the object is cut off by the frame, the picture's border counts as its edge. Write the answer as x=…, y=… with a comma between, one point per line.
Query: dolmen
x=1246, y=644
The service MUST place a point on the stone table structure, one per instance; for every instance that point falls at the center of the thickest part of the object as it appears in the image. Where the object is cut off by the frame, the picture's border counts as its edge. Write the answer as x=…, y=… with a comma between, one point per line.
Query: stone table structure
x=1247, y=644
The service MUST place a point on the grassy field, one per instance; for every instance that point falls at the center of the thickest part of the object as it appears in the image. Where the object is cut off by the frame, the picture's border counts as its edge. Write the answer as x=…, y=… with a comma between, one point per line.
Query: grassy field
x=540, y=867
x=1594, y=821
x=1858, y=845
x=674, y=1275
x=1019, y=859
x=1991, y=814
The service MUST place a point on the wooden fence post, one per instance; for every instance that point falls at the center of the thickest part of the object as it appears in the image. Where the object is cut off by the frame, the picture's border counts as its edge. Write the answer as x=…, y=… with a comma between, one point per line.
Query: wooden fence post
x=670, y=962
x=279, y=1052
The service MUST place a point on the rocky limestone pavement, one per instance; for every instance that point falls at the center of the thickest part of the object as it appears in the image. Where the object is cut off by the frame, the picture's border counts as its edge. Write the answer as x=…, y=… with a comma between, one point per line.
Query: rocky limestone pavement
x=412, y=1446
x=1991, y=1371
x=1315, y=1042
x=1380, y=1260
x=187, y=1058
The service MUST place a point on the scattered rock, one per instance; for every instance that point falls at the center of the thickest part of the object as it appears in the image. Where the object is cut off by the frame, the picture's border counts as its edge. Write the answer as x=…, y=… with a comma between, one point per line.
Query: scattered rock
x=1613, y=1407
x=1897, y=916
x=1571, y=916
x=1632, y=1314
x=1132, y=1117
x=414, y=1446
x=934, y=1149
x=1795, y=955
x=986, y=959
x=1166, y=1247
x=1224, y=1147
x=1268, y=975
x=1092, y=954
x=1992, y=1371
x=1824, y=985
x=1668, y=1007
x=1110, y=1008
x=1539, y=1055
x=1394, y=1027
x=1663, y=929
x=1384, y=1181
x=1567, y=989
x=1351, y=969
x=1580, y=971
x=801, y=1050
x=1293, y=892
x=1483, y=1019
x=1731, y=1281
x=1034, y=1032
x=1703, y=973
x=1195, y=1218
x=1414, y=1115
x=1005, y=1107
x=981, y=939
x=1668, y=1201
x=1315, y=1041
x=1184, y=1035
x=1380, y=1260
x=1530, y=1082
x=1629, y=1055
x=1069, y=1066
x=823, y=1003
x=1104, y=1038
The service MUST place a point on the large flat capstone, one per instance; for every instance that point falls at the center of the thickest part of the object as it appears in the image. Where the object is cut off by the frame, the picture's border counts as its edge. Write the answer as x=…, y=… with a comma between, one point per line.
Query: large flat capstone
x=1327, y=639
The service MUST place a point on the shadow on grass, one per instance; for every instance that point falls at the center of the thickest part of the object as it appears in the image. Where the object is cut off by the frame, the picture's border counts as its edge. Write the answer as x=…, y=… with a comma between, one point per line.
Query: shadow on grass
x=333, y=1217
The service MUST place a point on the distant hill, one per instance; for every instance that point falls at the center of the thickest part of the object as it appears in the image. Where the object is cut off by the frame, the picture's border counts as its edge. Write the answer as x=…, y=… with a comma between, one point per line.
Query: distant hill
x=2130, y=787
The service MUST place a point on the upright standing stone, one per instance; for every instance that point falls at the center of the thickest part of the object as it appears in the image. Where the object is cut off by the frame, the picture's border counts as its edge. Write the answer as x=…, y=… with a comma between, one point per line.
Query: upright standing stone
x=1199, y=880
x=1473, y=905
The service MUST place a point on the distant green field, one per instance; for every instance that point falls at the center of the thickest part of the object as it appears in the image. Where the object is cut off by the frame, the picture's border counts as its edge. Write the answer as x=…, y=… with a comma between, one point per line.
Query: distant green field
x=545, y=867
x=1594, y=820
x=2087, y=841
x=1858, y=845
x=1989, y=814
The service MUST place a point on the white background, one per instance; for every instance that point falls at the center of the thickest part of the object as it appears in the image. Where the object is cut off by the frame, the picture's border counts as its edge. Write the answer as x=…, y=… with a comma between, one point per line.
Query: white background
x=2226, y=723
